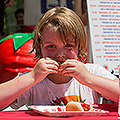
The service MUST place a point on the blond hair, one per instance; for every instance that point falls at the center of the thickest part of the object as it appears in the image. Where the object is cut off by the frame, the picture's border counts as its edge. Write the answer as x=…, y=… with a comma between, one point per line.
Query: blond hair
x=67, y=22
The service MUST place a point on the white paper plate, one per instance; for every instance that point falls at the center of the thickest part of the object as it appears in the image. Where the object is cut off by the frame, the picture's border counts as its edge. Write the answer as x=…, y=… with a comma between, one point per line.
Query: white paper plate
x=60, y=111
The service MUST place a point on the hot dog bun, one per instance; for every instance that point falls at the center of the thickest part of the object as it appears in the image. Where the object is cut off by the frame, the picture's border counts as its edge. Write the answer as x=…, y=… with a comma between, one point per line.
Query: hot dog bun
x=74, y=106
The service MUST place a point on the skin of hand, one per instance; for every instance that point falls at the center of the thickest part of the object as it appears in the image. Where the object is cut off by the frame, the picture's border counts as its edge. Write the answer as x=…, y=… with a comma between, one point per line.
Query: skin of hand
x=74, y=68
x=44, y=67
x=9, y=4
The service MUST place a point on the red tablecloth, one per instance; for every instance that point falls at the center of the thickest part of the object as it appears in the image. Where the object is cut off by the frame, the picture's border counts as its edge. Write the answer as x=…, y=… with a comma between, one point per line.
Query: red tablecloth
x=31, y=115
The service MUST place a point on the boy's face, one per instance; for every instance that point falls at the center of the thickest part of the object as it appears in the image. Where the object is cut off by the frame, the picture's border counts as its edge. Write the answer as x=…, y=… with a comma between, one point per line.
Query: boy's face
x=20, y=19
x=54, y=48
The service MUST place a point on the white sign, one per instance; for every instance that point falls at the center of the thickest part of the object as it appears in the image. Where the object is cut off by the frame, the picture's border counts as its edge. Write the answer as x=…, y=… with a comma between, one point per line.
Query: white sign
x=104, y=21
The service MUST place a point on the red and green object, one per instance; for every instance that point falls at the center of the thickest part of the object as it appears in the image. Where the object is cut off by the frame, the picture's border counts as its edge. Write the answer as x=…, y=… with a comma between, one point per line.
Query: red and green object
x=14, y=55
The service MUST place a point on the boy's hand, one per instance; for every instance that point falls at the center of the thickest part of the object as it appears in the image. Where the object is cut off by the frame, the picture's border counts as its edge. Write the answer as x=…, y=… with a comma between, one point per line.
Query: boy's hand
x=44, y=67
x=74, y=68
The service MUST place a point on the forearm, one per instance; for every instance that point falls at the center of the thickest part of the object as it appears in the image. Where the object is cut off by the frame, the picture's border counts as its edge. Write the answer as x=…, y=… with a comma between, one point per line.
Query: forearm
x=14, y=88
x=77, y=7
x=107, y=87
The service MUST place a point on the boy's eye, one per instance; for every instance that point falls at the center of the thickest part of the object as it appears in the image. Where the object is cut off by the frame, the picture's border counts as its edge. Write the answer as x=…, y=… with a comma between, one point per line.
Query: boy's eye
x=69, y=46
x=51, y=46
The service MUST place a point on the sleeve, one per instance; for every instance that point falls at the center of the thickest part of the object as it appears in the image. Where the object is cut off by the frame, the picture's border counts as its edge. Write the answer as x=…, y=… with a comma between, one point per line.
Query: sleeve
x=100, y=71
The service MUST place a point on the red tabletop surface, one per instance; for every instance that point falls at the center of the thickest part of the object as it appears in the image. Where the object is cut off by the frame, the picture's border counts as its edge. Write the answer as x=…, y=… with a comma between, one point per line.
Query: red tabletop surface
x=31, y=115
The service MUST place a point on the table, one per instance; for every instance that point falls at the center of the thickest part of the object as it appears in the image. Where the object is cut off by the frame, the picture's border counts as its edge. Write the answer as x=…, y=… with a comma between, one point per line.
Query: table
x=31, y=115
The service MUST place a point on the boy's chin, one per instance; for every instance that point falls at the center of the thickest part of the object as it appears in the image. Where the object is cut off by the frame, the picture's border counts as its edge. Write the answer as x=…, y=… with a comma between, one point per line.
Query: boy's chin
x=56, y=74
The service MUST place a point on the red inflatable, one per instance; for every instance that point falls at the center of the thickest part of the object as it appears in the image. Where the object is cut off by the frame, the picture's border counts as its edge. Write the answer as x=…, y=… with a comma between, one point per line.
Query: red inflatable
x=14, y=55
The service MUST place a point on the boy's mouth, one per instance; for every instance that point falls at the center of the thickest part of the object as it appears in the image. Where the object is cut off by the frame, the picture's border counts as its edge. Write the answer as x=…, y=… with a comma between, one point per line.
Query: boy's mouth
x=60, y=62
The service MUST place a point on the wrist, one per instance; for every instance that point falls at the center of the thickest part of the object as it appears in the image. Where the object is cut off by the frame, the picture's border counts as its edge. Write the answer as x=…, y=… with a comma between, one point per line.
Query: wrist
x=30, y=77
x=86, y=79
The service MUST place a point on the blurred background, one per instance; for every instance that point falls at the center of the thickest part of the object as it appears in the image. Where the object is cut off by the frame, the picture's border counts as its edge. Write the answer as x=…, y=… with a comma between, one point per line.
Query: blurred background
x=10, y=25
x=33, y=9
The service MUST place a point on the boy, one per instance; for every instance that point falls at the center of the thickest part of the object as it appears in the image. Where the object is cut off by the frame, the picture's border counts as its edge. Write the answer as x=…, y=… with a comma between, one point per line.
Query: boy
x=19, y=15
x=58, y=76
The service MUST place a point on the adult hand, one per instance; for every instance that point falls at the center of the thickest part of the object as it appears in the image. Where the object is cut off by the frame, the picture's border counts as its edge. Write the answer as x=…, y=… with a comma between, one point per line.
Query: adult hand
x=9, y=3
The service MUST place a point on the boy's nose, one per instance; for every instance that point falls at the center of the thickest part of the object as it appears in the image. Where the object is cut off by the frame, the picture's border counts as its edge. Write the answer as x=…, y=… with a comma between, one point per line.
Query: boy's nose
x=60, y=54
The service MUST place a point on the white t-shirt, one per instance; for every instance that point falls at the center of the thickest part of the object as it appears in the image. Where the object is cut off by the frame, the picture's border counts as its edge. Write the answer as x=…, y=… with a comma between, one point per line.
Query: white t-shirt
x=48, y=93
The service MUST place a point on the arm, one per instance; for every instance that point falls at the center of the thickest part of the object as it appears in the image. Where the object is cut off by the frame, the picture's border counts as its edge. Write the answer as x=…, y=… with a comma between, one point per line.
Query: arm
x=78, y=7
x=10, y=90
x=107, y=87
x=82, y=13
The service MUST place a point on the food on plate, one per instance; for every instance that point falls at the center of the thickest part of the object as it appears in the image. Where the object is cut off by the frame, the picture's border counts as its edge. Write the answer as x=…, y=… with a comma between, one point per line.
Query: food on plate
x=78, y=106
x=74, y=106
